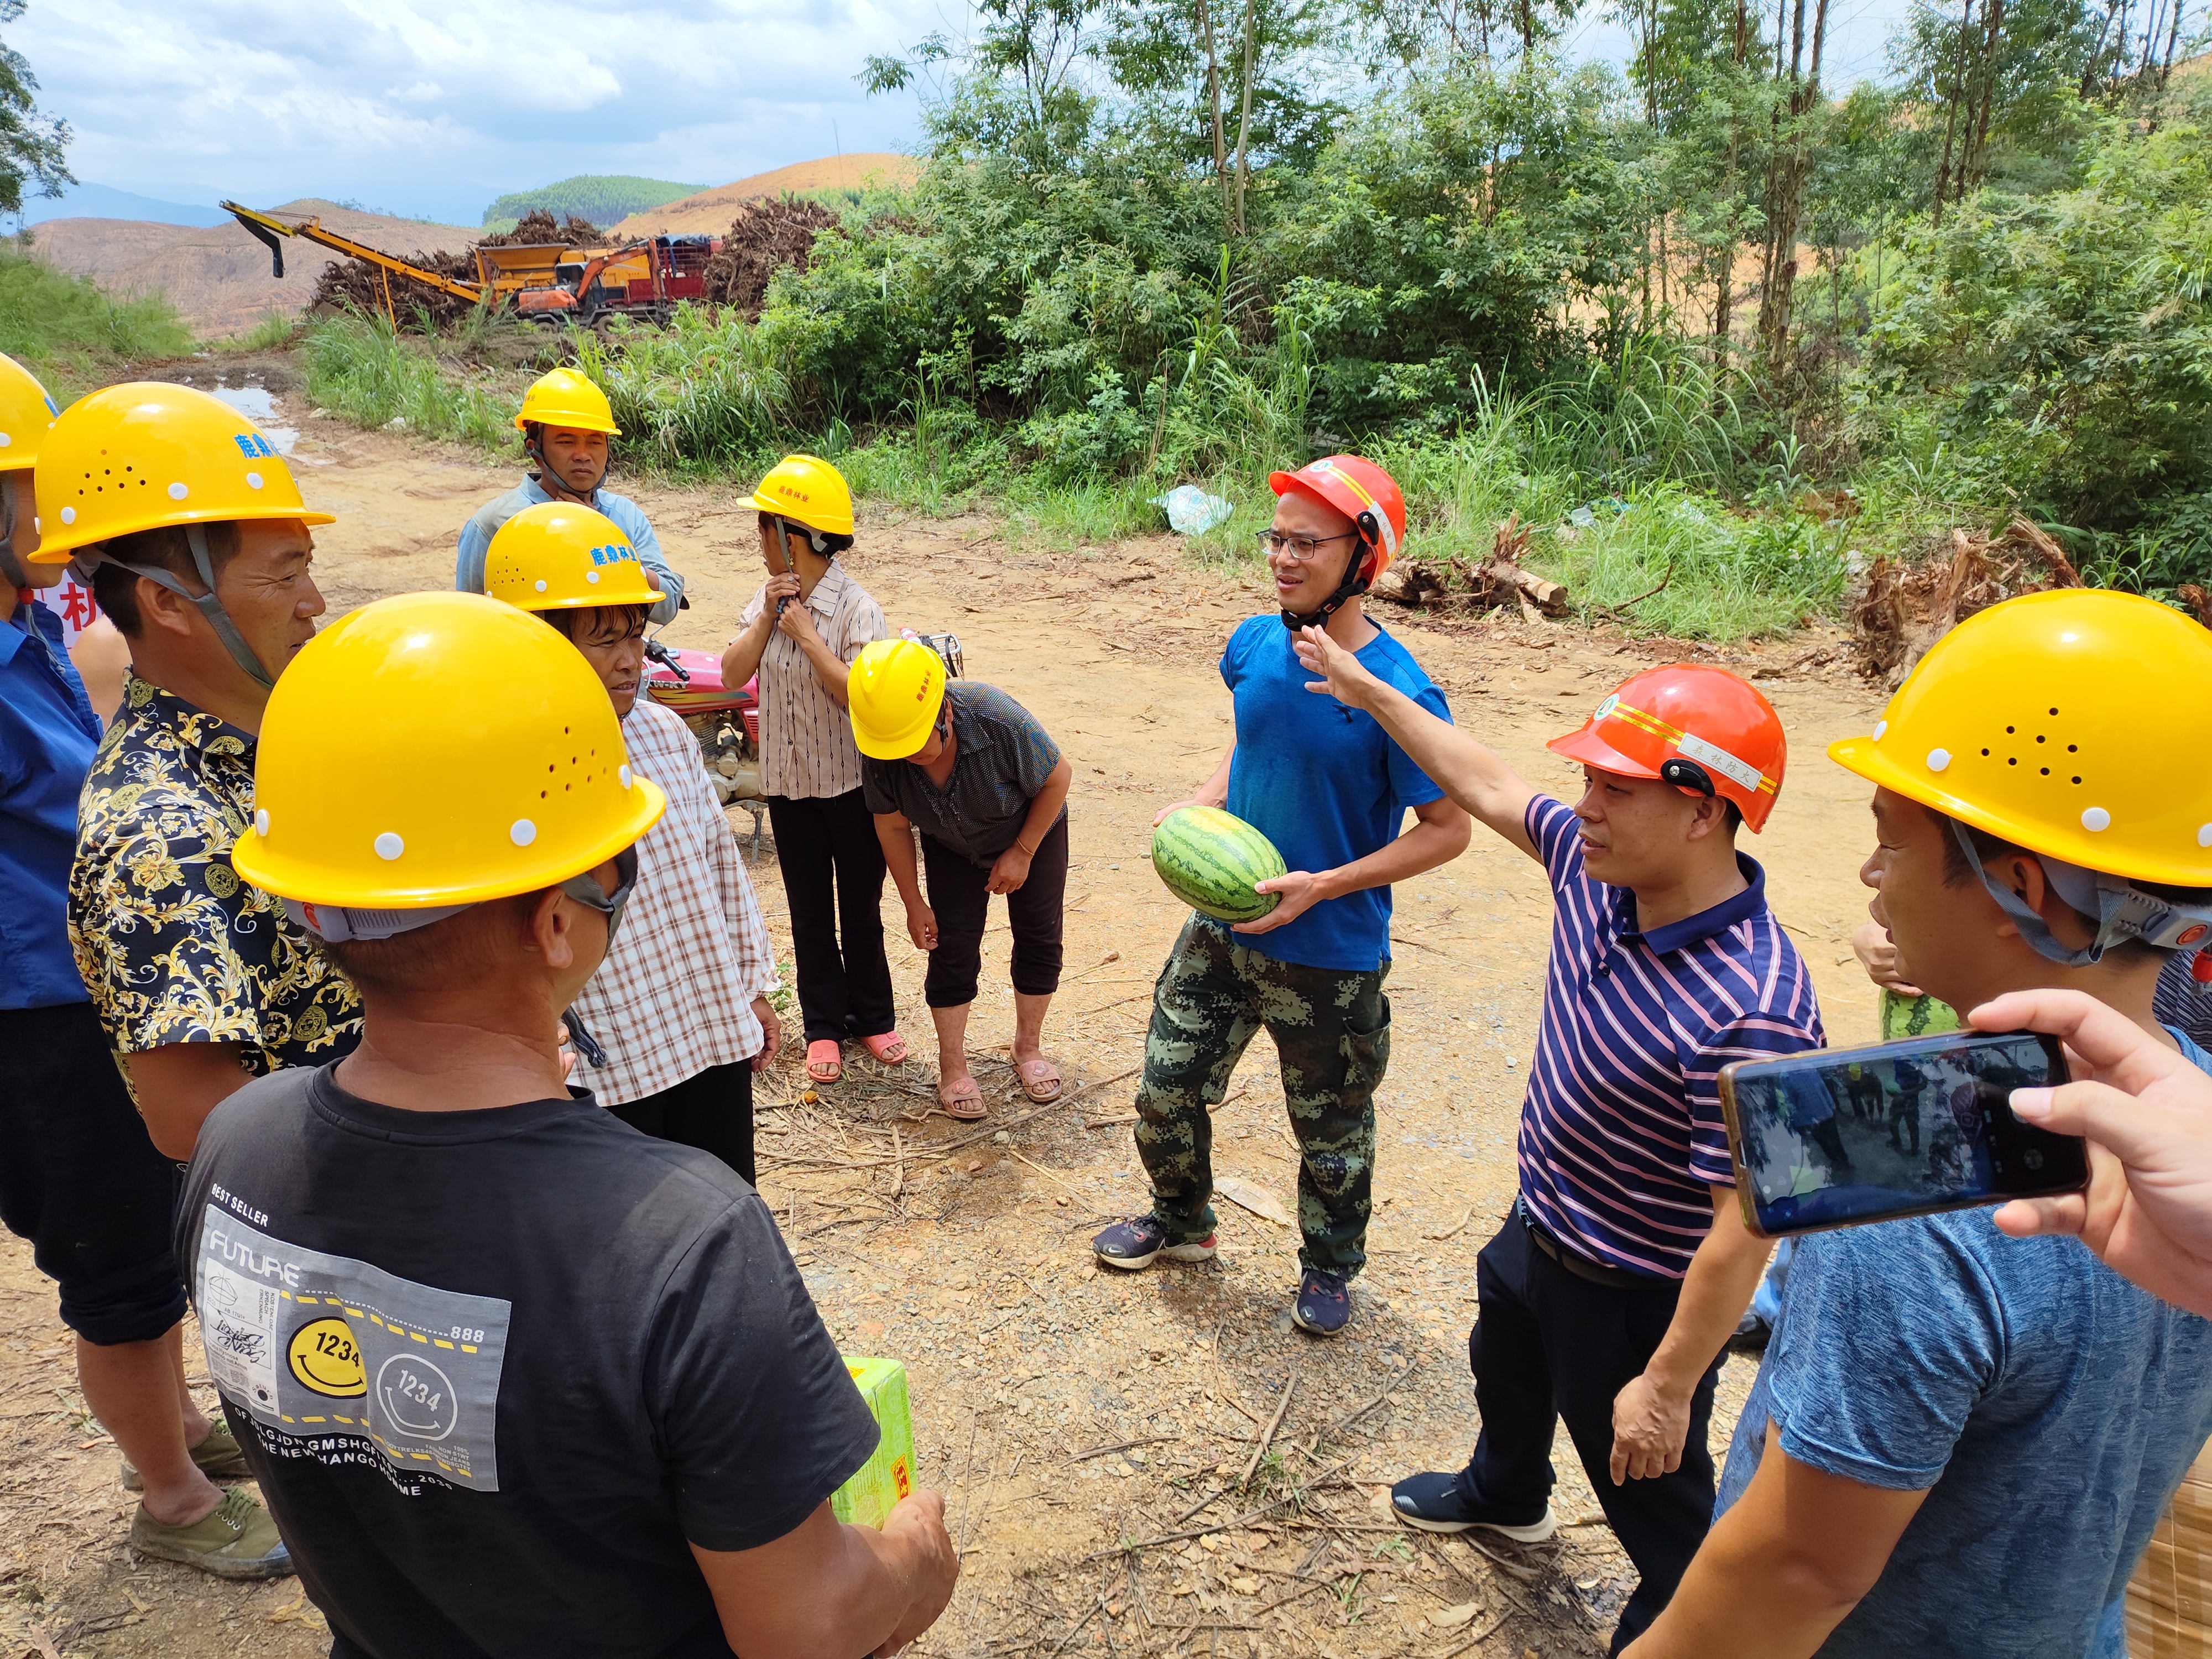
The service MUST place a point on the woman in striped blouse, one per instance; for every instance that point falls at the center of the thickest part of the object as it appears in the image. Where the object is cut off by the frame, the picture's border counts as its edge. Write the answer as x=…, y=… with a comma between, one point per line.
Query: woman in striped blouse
x=803, y=629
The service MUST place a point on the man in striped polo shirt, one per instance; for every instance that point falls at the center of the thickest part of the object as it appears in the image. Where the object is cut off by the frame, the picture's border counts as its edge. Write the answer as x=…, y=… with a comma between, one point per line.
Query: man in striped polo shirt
x=1606, y=1296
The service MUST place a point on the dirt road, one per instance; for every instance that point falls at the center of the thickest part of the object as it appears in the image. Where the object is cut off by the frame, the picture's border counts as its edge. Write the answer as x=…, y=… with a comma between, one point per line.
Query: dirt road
x=1064, y=1413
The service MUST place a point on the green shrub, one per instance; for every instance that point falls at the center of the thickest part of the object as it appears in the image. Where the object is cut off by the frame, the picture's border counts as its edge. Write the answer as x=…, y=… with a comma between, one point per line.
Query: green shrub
x=359, y=368
x=70, y=329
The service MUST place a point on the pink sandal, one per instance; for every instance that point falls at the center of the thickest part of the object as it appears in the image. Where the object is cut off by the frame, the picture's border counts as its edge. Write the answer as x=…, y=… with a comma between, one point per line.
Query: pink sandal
x=825, y=1062
x=888, y=1047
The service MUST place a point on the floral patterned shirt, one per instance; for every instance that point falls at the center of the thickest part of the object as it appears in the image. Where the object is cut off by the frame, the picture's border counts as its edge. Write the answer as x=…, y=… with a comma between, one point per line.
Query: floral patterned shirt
x=173, y=945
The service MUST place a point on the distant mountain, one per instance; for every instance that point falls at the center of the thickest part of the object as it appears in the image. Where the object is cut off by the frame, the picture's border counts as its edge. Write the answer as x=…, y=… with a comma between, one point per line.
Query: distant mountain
x=711, y=211
x=601, y=197
x=105, y=202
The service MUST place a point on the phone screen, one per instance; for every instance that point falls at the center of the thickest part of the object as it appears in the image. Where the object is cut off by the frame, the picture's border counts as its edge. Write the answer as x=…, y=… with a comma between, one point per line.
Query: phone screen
x=1827, y=1139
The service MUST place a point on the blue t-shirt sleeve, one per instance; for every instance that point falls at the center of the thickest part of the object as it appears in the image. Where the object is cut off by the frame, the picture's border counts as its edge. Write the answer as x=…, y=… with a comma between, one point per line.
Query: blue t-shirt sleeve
x=1234, y=654
x=647, y=545
x=1891, y=1335
x=1412, y=786
x=469, y=558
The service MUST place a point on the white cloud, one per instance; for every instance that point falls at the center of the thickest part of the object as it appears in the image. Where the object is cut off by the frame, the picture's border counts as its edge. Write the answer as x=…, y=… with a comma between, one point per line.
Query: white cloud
x=434, y=106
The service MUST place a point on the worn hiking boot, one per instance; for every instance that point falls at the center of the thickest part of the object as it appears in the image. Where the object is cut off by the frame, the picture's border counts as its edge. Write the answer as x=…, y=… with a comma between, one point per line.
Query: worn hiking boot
x=237, y=1539
x=217, y=1456
x=1131, y=1245
x=1438, y=1503
x=1323, y=1304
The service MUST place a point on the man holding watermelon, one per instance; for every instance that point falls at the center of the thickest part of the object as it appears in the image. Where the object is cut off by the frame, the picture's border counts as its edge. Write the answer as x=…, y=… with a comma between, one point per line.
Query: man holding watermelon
x=1606, y=1297
x=1305, y=951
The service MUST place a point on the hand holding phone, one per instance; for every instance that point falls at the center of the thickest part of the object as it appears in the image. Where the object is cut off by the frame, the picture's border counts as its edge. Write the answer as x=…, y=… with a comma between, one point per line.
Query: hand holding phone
x=1832, y=1137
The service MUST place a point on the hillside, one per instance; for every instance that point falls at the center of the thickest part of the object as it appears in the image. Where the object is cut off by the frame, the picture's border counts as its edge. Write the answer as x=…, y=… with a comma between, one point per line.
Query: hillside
x=711, y=211
x=218, y=277
x=602, y=197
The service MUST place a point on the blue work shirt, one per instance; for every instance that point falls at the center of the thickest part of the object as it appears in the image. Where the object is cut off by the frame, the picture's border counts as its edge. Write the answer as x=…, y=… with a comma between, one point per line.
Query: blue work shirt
x=483, y=525
x=47, y=734
x=1324, y=782
x=2046, y=1407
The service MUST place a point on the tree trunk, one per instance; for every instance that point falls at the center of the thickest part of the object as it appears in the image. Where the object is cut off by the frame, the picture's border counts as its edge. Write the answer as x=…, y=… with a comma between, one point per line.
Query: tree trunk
x=1213, y=97
x=1244, y=120
x=1975, y=166
x=1786, y=201
x=1951, y=111
x=1725, y=278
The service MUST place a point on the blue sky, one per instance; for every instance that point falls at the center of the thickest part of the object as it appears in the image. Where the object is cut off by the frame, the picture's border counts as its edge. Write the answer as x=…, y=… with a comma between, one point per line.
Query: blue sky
x=431, y=107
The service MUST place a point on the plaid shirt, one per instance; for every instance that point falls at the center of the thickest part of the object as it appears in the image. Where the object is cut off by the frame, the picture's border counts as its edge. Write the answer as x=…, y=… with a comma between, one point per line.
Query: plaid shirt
x=675, y=995
x=806, y=746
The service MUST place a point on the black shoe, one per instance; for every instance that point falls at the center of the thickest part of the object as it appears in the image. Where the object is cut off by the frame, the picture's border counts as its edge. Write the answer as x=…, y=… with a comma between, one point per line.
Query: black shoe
x=1436, y=1502
x=1133, y=1244
x=1324, y=1302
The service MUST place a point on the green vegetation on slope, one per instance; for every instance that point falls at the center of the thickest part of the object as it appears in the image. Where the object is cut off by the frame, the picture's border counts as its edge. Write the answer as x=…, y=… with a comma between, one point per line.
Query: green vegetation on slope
x=601, y=197
x=73, y=334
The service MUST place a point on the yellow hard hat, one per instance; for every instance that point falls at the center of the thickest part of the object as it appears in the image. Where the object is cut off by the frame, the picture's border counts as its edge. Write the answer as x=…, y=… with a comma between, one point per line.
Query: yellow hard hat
x=2066, y=722
x=568, y=397
x=893, y=692
x=445, y=796
x=559, y=556
x=145, y=454
x=26, y=412
x=808, y=490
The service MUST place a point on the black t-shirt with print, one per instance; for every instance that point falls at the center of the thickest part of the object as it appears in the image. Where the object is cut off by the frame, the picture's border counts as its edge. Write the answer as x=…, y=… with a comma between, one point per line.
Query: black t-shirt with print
x=495, y=1370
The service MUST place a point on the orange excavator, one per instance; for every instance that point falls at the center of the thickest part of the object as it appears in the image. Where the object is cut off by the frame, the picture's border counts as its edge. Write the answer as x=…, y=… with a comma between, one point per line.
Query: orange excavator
x=547, y=282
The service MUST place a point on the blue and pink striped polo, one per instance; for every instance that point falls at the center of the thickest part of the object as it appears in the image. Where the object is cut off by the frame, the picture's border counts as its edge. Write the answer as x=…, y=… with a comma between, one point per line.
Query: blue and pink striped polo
x=1622, y=1135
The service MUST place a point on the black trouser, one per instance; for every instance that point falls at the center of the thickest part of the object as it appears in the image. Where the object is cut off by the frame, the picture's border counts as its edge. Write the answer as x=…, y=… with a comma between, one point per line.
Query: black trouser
x=80, y=1179
x=712, y=1110
x=833, y=885
x=961, y=901
x=1548, y=1346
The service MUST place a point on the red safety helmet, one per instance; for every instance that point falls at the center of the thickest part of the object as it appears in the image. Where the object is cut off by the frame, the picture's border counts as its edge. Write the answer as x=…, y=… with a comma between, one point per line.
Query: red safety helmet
x=1701, y=729
x=1364, y=494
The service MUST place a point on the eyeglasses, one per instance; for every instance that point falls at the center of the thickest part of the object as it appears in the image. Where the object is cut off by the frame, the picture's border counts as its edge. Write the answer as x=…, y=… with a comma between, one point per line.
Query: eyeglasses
x=1301, y=548
x=585, y=889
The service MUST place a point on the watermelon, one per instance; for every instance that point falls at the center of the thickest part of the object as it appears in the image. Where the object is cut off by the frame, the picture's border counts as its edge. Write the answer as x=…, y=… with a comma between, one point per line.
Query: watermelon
x=1209, y=859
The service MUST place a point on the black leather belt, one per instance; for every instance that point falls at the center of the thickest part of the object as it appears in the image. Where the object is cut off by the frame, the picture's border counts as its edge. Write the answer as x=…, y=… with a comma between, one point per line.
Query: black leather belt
x=1594, y=1272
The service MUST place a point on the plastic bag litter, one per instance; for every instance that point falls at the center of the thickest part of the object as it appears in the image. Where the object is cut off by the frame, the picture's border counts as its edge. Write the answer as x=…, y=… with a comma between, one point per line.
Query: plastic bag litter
x=1191, y=511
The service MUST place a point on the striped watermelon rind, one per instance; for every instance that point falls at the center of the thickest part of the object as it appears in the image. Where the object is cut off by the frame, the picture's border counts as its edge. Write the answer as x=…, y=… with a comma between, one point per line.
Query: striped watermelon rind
x=1209, y=859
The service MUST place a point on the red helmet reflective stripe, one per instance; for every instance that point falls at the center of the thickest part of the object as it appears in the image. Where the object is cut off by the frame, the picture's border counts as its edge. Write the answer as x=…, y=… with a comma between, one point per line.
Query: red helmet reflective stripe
x=1704, y=715
x=1363, y=492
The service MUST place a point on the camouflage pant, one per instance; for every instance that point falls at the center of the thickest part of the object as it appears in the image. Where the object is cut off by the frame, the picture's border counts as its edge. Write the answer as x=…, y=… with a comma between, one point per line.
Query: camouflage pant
x=1332, y=1032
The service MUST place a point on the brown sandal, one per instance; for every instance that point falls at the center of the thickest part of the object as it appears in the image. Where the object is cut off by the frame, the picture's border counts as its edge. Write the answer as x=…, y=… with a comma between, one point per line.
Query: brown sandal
x=965, y=1104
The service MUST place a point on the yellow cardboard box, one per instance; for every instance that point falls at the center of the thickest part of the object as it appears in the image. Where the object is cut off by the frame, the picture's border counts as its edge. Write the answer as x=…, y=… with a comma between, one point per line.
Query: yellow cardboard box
x=869, y=1496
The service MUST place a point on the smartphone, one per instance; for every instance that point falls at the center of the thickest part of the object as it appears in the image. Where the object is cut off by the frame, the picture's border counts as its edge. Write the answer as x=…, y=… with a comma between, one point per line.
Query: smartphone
x=1835, y=1136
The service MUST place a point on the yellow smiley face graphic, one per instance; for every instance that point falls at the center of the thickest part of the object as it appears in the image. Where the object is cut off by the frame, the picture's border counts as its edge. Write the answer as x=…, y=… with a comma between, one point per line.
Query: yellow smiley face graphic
x=323, y=1356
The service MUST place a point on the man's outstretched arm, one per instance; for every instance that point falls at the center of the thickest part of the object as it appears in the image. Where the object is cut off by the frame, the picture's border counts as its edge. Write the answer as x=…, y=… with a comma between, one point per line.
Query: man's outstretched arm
x=1476, y=776
x=1780, y=1571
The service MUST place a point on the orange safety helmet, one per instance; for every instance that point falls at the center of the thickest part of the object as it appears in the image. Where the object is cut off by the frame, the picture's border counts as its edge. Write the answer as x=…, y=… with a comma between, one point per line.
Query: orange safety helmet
x=1364, y=494
x=1703, y=730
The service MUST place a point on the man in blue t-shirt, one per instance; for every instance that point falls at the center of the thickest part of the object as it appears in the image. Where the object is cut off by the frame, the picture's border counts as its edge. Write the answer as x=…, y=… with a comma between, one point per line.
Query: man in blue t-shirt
x=1327, y=786
x=1959, y=1443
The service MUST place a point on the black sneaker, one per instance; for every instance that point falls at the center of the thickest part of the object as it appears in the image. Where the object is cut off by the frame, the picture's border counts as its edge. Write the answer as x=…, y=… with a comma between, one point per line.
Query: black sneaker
x=1324, y=1302
x=1436, y=1502
x=1133, y=1244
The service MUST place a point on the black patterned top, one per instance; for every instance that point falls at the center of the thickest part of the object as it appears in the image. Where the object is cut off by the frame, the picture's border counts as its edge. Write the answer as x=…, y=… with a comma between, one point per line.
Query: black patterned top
x=173, y=945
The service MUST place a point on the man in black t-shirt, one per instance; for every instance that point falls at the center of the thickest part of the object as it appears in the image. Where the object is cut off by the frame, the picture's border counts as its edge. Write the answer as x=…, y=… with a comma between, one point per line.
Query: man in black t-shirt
x=515, y=1379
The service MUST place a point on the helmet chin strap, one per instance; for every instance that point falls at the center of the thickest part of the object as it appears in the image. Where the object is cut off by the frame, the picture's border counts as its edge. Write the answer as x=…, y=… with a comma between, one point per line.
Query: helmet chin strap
x=207, y=603
x=2121, y=911
x=1354, y=585
x=12, y=568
